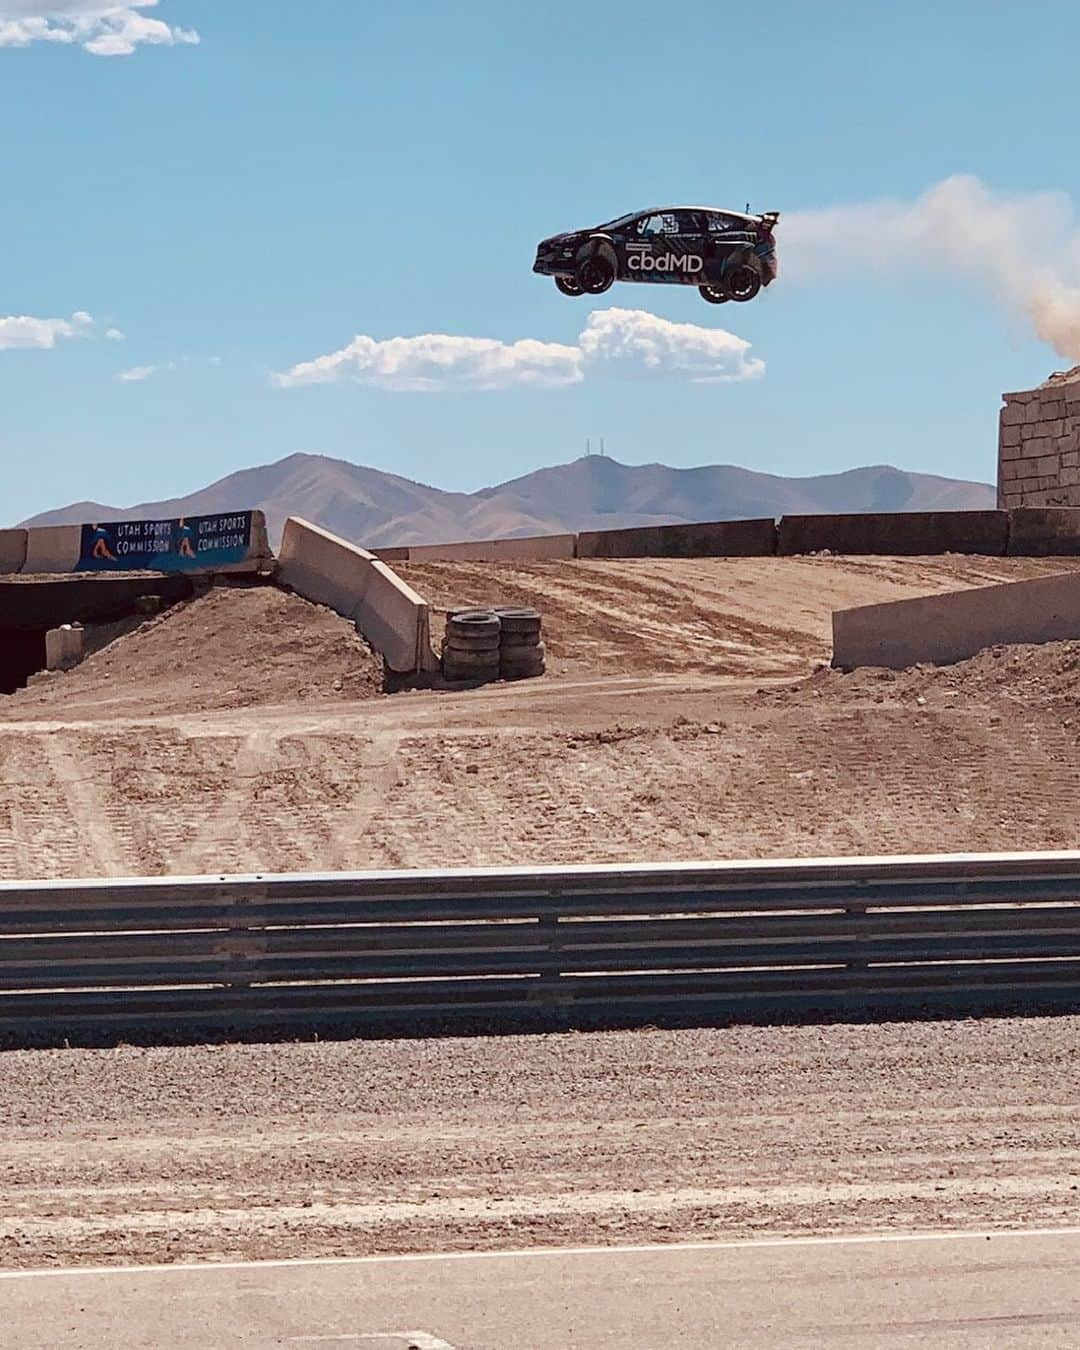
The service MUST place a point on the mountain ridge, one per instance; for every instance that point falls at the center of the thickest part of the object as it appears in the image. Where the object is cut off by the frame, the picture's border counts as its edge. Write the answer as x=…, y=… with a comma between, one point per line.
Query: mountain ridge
x=377, y=508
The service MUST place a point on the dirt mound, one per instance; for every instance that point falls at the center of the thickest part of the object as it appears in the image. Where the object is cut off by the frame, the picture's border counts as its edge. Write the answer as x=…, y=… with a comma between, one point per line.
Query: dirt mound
x=1043, y=674
x=232, y=648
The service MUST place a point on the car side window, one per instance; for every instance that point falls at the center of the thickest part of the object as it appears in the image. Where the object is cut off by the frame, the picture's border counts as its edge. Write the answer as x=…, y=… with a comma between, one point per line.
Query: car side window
x=661, y=223
x=719, y=224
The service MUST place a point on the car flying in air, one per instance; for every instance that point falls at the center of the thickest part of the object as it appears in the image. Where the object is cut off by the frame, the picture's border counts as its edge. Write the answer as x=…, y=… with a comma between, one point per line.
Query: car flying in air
x=727, y=255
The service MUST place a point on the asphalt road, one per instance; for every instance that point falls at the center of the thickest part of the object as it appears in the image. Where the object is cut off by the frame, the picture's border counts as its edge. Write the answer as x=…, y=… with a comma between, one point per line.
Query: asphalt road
x=1020, y=1289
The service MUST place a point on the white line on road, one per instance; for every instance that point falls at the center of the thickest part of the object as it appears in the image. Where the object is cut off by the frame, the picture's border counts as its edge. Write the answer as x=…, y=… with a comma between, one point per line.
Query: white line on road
x=834, y=1240
x=416, y=1340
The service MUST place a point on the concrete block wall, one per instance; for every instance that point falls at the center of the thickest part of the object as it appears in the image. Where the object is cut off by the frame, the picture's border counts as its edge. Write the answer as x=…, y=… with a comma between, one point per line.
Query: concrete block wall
x=1039, y=444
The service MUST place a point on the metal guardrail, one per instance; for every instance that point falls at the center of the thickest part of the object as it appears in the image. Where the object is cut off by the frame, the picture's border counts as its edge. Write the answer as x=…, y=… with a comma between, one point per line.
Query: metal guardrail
x=615, y=942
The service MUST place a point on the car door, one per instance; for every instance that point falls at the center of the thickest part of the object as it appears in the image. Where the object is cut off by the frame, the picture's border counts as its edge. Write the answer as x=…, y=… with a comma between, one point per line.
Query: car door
x=665, y=246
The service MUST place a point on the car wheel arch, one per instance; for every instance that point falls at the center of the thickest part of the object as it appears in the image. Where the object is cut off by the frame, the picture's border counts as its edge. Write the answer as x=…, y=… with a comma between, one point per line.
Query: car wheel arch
x=599, y=246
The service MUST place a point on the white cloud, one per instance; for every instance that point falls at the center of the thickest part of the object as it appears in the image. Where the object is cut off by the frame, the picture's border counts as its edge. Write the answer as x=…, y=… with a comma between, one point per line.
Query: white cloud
x=21, y=330
x=136, y=374
x=702, y=355
x=100, y=27
x=115, y=335
x=439, y=361
x=1023, y=250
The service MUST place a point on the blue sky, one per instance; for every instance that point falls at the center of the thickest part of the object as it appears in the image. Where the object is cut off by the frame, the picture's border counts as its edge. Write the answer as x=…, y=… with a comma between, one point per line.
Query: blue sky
x=303, y=174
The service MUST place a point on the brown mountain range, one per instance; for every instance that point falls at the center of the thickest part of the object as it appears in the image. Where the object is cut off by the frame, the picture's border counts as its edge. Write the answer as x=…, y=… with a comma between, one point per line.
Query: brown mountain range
x=376, y=508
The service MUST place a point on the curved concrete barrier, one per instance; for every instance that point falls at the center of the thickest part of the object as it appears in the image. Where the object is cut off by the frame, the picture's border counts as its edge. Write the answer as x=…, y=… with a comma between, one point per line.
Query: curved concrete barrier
x=12, y=551
x=940, y=629
x=350, y=580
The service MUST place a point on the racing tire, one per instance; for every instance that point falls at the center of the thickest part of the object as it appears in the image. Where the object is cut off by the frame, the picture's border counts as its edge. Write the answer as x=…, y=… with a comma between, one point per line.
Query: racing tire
x=716, y=295
x=522, y=663
x=518, y=626
x=596, y=275
x=472, y=642
x=568, y=286
x=472, y=664
x=742, y=283
x=474, y=622
x=452, y=675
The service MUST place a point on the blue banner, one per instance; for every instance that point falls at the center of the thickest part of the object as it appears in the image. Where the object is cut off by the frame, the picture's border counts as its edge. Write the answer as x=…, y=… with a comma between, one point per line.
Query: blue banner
x=192, y=543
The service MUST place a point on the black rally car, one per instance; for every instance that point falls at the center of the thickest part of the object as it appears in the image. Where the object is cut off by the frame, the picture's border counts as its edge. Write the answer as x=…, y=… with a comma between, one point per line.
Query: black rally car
x=727, y=255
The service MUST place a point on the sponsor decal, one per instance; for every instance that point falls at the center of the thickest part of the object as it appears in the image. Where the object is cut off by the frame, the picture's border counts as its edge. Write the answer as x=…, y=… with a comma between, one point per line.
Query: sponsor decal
x=688, y=264
x=190, y=543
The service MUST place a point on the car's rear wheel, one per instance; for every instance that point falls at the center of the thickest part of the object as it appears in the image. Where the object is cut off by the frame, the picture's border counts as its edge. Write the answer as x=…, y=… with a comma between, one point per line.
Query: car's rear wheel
x=568, y=285
x=742, y=283
x=595, y=275
x=716, y=295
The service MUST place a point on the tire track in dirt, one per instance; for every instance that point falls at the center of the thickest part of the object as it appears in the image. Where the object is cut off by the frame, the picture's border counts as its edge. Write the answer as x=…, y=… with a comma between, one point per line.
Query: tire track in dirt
x=40, y=836
x=80, y=783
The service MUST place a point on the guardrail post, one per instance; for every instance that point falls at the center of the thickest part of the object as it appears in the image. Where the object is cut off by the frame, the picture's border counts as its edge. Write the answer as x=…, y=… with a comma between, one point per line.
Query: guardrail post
x=244, y=940
x=857, y=909
x=552, y=992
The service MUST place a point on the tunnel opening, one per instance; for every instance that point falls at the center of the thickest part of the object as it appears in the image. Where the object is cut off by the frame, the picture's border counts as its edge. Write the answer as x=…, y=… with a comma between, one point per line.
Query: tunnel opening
x=30, y=608
x=22, y=654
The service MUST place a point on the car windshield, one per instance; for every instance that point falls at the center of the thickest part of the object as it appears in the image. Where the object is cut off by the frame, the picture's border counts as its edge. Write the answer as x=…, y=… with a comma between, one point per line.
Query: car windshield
x=619, y=221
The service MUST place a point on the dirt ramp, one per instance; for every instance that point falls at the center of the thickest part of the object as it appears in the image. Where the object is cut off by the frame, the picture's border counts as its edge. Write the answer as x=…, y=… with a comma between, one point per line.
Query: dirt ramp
x=232, y=648
x=758, y=617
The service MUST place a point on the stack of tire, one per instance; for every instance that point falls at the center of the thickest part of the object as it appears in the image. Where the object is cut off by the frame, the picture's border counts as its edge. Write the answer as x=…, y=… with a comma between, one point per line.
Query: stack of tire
x=521, y=653
x=471, y=646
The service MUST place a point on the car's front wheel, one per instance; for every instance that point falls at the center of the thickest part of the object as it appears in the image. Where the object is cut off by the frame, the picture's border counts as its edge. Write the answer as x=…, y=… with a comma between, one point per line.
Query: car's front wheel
x=568, y=285
x=595, y=275
x=742, y=283
x=716, y=295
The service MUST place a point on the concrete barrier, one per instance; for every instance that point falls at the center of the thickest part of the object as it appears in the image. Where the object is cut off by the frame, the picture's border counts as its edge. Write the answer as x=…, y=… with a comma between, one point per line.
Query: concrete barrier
x=538, y=548
x=64, y=647
x=331, y=571
x=940, y=629
x=901, y=532
x=1044, y=532
x=12, y=551
x=714, y=539
x=53, y=548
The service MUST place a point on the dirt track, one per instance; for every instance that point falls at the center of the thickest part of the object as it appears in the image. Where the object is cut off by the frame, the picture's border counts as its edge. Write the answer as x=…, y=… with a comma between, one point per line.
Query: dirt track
x=283, y=758
x=344, y=1148
x=651, y=738
x=757, y=617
